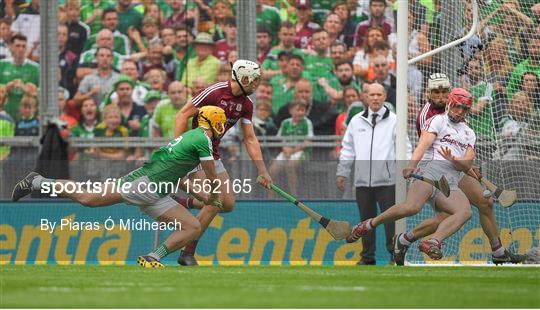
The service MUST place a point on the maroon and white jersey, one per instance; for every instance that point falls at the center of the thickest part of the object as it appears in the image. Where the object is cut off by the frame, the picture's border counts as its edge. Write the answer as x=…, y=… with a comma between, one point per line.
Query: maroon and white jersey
x=236, y=107
x=458, y=137
x=304, y=36
x=222, y=50
x=427, y=111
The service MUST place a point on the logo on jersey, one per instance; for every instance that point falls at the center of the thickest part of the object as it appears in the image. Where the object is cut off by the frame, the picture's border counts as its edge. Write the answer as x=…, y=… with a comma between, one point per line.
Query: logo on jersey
x=223, y=103
x=451, y=141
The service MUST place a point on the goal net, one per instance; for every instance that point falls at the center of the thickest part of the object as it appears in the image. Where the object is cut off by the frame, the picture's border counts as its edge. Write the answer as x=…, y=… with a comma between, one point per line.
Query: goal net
x=500, y=66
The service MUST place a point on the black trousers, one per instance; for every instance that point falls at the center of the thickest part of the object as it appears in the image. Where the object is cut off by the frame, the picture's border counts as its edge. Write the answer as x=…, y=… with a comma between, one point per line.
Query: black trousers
x=367, y=199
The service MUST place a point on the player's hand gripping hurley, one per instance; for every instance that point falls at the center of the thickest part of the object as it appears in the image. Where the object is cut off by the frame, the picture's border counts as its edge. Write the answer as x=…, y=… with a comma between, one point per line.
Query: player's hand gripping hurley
x=339, y=230
x=441, y=184
x=506, y=198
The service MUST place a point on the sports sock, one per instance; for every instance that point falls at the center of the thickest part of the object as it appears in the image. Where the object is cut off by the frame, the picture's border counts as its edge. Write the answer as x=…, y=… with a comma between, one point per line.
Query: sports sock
x=159, y=252
x=403, y=239
x=497, y=247
x=37, y=181
x=186, y=202
x=190, y=248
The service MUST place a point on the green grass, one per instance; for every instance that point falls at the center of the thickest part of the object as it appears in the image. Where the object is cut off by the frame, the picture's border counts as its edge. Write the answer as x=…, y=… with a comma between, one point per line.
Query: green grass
x=312, y=287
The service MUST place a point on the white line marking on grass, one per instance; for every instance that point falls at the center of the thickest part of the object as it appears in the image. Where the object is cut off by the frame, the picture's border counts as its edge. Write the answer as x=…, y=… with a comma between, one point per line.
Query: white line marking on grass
x=333, y=288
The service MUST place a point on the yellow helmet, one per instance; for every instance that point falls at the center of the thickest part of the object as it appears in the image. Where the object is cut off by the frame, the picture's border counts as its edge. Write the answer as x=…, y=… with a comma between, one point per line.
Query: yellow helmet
x=212, y=117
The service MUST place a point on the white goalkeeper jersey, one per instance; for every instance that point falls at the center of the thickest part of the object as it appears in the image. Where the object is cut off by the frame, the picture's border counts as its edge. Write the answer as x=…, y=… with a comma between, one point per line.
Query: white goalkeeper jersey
x=458, y=137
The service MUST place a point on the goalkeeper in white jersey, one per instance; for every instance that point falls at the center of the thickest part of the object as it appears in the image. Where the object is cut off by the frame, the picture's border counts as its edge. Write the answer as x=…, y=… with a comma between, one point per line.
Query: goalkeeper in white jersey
x=446, y=147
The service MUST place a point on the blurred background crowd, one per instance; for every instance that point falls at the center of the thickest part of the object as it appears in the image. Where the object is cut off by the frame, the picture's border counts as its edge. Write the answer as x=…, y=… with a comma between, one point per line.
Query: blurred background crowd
x=127, y=67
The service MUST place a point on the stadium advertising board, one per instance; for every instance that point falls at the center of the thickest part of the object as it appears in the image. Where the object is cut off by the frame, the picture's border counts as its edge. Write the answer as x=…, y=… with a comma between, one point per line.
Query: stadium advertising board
x=66, y=233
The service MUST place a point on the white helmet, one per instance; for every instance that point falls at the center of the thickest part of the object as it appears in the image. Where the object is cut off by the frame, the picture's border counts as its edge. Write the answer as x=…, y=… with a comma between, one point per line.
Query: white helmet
x=438, y=80
x=247, y=68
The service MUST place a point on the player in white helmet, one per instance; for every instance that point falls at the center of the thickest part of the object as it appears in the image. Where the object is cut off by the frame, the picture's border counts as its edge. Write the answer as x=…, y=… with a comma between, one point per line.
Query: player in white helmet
x=231, y=96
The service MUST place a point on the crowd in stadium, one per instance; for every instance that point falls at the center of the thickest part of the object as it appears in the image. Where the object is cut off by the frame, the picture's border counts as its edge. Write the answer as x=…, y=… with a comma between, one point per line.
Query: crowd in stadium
x=127, y=67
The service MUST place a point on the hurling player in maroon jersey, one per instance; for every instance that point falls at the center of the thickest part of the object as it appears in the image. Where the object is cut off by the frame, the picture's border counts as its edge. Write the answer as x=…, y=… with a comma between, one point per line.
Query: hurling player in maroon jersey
x=231, y=96
x=439, y=89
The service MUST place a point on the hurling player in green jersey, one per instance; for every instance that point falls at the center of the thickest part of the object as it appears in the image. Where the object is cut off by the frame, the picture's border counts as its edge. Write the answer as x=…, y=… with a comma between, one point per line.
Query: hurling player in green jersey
x=149, y=187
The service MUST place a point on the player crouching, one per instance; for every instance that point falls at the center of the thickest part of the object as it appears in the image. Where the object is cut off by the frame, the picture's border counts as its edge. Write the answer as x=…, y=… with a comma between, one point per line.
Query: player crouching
x=168, y=164
x=446, y=147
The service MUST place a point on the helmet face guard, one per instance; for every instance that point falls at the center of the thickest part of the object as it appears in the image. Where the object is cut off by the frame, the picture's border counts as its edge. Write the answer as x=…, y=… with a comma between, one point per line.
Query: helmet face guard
x=213, y=118
x=245, y=68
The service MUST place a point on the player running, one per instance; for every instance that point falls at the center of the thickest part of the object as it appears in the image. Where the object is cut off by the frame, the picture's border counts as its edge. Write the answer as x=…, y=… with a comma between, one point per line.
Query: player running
x=446, y=147
x=168, y=164
x=439, y=88
x=232, y=96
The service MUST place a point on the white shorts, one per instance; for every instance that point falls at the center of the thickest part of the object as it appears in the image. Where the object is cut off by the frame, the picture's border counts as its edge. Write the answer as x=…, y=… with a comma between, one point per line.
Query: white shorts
x=149, y=203
x=217, y=163
x=435, y=170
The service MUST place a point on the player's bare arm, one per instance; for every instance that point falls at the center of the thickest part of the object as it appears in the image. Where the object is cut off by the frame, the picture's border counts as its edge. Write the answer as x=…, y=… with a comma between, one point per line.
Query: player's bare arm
x=426, y=140
x=189, y=110
x=253, y=148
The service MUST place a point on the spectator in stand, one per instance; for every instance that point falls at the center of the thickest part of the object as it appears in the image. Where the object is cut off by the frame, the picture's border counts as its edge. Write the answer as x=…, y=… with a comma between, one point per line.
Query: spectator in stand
x=286, y=43
x=264, y=43
x=222, y=9
x=269, y=18
x=168, y=37
x=350, y=96
x=156, y=59
x=363, y=56
x=531, y=64
x=304, y=26
x=88, y=59
x=19, y=74
x=91, y=12
x=96, y=85
x=179, y=16
x=263, y=124
x=349, y=26
x=150, y=34
x=385, y=78
x=370, y=143
x=205, y=65
x=334, y=85
x=357, y=14
x=334, y=26
x=88, y=121
x=225, y=46
x=283, y=88
x=7, y=124
x=377, y=19
x=110, y=127
x=152, y=9
x=129, y=69
x=156, y=79
x=78, y=32
x=131, y=112
x=128, y=16
x=264, y=91
x=184, y=50
x=318, y=63
x=530, y=84
x=5, y=36
x=518, y=128
x=28, y=24
x=338, y=52
x=166, y=111
x=68, y=62
x=198, y=86
x=109, y=20
x=294, y=150
x=321, y=114
x=28, y=123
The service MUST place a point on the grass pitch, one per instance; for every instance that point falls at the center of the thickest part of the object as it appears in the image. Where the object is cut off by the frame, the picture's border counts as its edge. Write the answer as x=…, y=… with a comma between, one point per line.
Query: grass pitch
x=256, y=286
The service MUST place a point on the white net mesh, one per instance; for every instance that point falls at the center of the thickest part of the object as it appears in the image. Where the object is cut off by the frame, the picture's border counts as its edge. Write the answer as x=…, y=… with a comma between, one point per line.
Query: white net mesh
x=500, y=66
